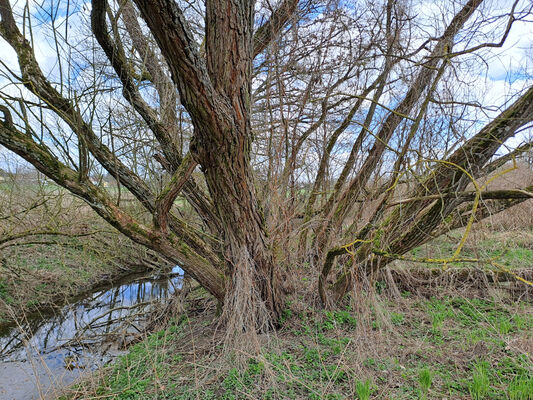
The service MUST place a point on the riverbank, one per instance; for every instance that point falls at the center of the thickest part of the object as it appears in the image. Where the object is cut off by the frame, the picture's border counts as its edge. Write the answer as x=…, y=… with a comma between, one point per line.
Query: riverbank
x=53, y=247
x=422, y=332
x=43, y=353
x=40, y=277
x=462, y=328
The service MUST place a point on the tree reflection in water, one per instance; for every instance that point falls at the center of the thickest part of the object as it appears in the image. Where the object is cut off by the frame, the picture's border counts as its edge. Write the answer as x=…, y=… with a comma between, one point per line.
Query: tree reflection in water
x=91, y=330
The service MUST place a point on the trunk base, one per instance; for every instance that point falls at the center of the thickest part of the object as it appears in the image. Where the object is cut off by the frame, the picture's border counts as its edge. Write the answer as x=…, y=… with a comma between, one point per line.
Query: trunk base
x=253, y=302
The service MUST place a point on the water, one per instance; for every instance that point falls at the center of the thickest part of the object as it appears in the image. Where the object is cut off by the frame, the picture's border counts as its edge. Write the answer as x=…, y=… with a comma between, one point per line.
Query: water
x=46, y=353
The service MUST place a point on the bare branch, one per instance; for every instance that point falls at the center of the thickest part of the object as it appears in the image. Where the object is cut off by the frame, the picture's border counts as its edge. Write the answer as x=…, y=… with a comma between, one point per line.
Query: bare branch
x=169, y=193
x=270, y=29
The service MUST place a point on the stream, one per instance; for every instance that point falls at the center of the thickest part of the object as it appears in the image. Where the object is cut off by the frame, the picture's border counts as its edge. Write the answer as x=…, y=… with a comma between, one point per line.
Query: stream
x=45, y=353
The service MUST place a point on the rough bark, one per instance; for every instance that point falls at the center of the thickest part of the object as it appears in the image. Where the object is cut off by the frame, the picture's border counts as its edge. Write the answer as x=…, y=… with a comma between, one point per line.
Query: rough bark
x=216, y=93
x=215, y=89
x=229, y=252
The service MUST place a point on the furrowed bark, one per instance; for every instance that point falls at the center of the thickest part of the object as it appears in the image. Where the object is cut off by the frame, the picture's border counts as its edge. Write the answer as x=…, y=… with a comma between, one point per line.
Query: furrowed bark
x=217, y=96
x=166, y=127
x=189, y=72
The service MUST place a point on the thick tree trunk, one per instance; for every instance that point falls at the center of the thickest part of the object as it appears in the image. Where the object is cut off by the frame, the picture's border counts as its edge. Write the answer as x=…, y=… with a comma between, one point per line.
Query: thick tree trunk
x=216, y=93
x=253, y=295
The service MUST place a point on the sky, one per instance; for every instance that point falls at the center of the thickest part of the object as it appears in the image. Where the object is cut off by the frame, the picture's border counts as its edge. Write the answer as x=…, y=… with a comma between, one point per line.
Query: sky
x=503, y=73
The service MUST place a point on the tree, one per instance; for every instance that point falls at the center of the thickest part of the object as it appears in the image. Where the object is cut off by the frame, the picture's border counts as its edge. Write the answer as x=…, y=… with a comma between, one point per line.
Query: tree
x=200, y=84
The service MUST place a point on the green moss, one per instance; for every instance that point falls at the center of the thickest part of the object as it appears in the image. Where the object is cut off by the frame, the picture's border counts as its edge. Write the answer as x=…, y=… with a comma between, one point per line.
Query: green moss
x=378, y=235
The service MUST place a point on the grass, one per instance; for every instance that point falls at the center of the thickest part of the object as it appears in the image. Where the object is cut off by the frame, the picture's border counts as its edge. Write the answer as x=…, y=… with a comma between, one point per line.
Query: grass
x=513, y=249
x=521, y=388
x=339, y=355
x=425, y=378
x=480, y=385
x=363, y=390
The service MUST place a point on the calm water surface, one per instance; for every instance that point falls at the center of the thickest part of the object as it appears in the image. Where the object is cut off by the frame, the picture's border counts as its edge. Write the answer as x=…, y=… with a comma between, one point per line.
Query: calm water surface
x=44, y=353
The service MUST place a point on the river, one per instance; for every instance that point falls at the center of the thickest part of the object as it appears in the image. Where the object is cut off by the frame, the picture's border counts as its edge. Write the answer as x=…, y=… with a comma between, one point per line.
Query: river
x=44, y=353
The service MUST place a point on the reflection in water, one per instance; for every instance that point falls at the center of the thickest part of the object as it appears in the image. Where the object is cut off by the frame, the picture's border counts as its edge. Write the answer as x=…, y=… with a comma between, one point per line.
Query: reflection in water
x=81, y=336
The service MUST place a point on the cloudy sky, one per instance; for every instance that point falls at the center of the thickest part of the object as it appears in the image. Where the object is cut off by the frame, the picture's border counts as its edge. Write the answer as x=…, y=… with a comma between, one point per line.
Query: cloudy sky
x=501, y=73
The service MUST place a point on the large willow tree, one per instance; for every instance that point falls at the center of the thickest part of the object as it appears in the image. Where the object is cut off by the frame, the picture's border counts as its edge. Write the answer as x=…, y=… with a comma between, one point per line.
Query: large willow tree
x=277, y=126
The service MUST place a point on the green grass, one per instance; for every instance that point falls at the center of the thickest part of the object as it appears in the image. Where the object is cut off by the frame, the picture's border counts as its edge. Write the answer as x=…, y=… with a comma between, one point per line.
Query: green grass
x=480, y=385
x=521, y=388
x=513, y=250
x=363, y=389
x=337, y=355
x=5, y=294
x=425, y=378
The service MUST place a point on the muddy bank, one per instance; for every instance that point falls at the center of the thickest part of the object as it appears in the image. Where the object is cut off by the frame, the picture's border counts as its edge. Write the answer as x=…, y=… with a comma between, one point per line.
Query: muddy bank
x=34, y=277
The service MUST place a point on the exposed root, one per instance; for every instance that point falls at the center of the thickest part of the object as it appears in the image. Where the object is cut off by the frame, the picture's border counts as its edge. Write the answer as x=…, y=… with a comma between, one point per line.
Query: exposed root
x=245, y=313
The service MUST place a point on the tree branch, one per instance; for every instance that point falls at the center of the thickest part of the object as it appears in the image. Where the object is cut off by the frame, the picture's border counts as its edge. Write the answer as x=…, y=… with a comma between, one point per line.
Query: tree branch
x=118, y=60
x=469, y=196
x=420, y=84
x=165, y=200
x=267, y=32
x=173, y=36
x=453, y=175
x=163, y=134
x=494, y=165
x=171, y=246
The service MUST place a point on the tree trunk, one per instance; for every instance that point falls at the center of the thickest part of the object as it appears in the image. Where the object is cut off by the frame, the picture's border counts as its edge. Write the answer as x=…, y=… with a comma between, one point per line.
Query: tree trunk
x=253, y=292
x=216, y=93
x=253, y=295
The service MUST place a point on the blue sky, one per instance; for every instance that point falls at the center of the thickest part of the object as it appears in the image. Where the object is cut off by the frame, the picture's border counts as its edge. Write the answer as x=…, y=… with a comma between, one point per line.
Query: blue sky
x=503, y=74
